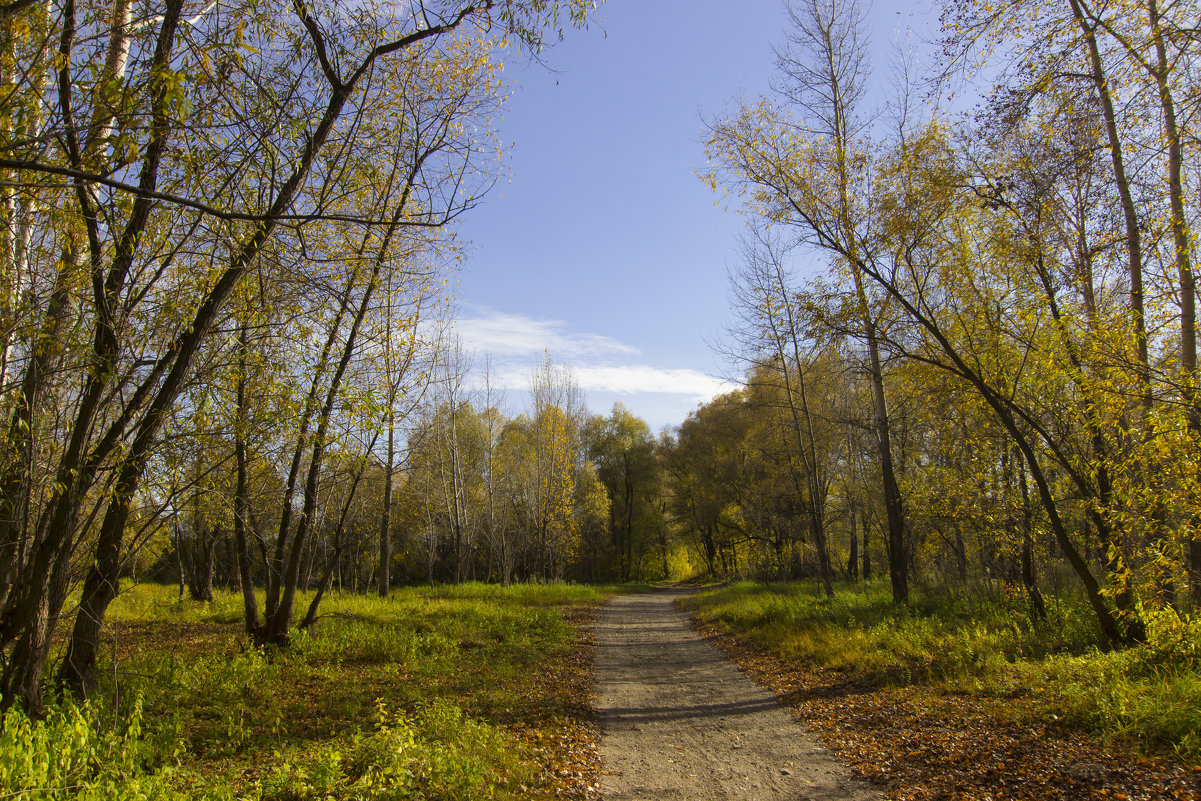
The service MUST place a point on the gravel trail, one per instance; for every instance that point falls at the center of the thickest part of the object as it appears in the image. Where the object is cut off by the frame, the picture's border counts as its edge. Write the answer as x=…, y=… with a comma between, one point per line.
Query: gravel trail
x=681, y=722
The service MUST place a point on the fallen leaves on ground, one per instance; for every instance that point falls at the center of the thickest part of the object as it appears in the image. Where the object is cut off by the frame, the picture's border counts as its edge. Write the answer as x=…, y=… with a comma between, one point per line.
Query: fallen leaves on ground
x=923, y=742
x=567, y=745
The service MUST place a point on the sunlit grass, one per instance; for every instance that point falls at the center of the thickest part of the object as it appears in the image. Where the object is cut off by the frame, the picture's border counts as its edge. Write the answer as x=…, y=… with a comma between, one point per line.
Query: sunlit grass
x=420, y=695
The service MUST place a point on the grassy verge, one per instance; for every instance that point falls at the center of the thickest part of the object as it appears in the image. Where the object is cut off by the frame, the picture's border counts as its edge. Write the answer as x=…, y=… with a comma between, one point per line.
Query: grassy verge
x=1150, y=695
x=471, y=692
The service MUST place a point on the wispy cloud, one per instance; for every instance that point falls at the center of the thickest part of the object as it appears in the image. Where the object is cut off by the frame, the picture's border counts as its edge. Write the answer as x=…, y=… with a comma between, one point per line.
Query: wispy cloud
x=601, y=366
x=506, y=335
x=636, y=378
x=624, y=379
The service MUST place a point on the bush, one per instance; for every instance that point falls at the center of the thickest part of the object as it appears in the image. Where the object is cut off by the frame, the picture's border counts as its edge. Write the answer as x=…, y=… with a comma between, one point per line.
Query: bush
x=69, y=754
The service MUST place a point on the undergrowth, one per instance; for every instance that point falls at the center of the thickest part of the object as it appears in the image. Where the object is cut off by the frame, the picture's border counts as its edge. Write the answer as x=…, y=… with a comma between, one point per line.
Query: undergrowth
x=1148, y=694
x=71, y=752
x=429, y=694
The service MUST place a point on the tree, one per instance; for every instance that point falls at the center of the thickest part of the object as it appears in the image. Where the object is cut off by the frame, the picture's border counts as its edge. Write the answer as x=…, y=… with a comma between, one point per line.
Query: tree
x=933, y=289
x=498, y=481
x=1128, y=63
x=807, y=167
x=782, y=355
x=622, y=449
x=554, y=438
x=400, y=350
x=154, y=186
x=593, y=518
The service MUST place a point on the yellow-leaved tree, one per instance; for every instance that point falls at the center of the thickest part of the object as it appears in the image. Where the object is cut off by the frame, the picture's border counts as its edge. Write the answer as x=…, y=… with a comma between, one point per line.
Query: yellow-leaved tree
x=163, y=155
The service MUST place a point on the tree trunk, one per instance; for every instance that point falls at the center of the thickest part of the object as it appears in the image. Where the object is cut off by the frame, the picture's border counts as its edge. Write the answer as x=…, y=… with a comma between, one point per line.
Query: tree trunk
x=867, y=551
x=242, y=519
x=1038, y=609
x=897, y=565
x=200, y=577
x=1182, y=239
x=385, y=526
x=1134, y=248
x=853, y=558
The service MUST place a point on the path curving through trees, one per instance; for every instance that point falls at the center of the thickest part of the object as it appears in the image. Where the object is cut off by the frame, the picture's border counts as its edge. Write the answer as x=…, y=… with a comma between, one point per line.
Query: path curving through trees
x=681, y=721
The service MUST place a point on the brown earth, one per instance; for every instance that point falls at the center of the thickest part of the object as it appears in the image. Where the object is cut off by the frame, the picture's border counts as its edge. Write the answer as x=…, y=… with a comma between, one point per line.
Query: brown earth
x=681, y=721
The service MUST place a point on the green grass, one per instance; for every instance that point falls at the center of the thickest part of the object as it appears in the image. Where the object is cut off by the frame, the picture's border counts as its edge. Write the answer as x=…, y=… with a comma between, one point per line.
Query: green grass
x=430, y=694
x=1150, y=694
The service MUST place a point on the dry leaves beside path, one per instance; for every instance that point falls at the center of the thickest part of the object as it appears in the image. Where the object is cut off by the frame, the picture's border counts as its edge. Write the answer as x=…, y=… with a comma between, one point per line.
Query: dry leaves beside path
x=567, y=744
x=927, y=744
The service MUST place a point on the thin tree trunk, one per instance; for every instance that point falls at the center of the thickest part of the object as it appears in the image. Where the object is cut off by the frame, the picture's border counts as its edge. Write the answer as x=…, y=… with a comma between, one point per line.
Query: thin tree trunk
x=897, y=565
x=1182, y=239
x=867, y=551
x=853, y=557
x=242, y=493
x=1134, y=248
x=1038, y=609
x=385, y=529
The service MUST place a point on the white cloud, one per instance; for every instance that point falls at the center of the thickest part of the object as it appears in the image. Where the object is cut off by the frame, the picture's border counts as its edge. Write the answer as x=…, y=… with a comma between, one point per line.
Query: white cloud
x=505, y=335
x=515, y=344
x=626, y=379
x=636, y=378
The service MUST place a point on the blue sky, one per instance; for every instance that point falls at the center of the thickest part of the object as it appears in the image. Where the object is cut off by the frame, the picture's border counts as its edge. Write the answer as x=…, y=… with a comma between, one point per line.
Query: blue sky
x=606, y=250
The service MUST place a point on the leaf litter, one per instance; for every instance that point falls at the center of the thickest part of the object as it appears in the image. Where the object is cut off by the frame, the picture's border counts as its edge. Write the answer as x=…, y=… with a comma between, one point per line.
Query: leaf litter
x=567, y=743
x=924, y=743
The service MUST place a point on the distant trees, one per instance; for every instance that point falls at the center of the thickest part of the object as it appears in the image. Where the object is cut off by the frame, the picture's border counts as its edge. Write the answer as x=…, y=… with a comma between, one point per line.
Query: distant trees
x=703, y=464
x=623, y=450
x=758, y=481
x=494, y=498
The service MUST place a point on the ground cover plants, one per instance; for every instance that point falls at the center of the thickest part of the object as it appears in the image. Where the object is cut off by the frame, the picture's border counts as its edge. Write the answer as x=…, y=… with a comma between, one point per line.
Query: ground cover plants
x=961, y=697
x=469, y=692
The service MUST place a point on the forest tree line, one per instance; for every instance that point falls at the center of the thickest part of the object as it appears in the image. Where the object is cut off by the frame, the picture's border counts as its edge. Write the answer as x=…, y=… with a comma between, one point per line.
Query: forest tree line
x=550, y=494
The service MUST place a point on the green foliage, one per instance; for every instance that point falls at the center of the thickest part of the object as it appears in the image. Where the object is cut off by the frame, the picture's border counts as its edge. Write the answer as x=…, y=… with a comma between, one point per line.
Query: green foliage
x=681, y=564
x=1130, y=693
x=623, y=451
x=412, y=696
x=863, y=631
x=72, y=753
x=1149, y=694
x=550, y=594
x=147, y=603
x=438, y=752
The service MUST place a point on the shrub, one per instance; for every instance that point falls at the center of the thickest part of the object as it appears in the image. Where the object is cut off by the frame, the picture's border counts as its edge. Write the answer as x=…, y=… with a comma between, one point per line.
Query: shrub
x=70, y=754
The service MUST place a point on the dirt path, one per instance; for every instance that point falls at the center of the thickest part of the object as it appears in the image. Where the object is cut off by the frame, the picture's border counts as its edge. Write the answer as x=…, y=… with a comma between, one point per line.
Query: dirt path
x=680, y=721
